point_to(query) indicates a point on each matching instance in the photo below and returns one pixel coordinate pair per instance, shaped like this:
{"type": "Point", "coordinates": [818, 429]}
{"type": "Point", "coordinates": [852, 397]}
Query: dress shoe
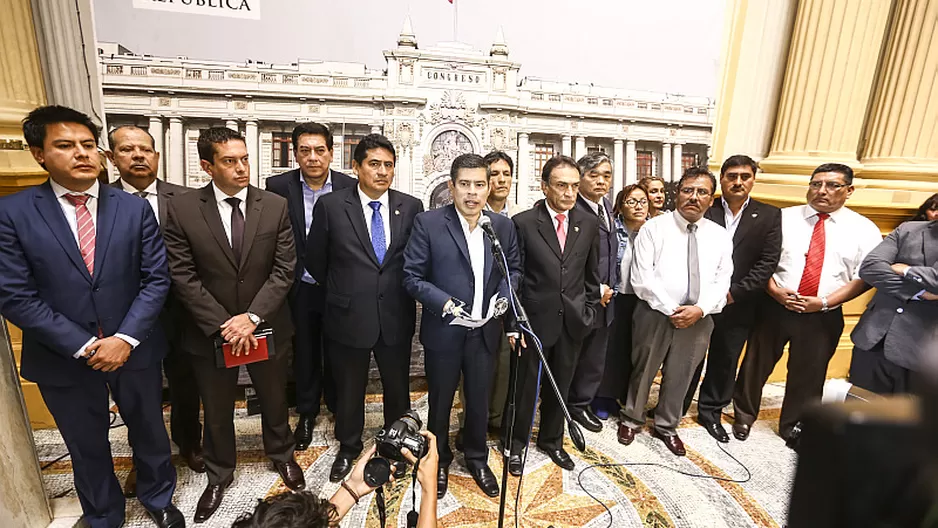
{"type": "Point", "coordinates": [130, 483]}
{"type": "Point", "coordinates": [586, 418]}
{"type": "Point", "coordinates": [560, 457]}
{"type": "Point", "coordinates": [673, 443]}
{"type": "Point", "coordinates": [716, 430]}
{"type": "Point", "coordinates": [626, 434]}
{"type": "Point", "coordinates": [442, 481]}
{"type": "Point", "coordinates": [515, 465]}
{"type": "Point", "coordinates": [457, 442]}
{"type": "Point", "coordinates": [741, 431]}
{"type": "Point", "coordinates": [303, 434]}
{"type": "Point", "coordinates": [486, 480]}
{"type": "Point", "coordinates": [210, 500]}
{"type": "Point", "coordinates": [292, 474]}
{"type": "Point", "coordinates": [194, 460]}
{"type": "Point", "coordinates": [340, 468]}
{"type": "Point", "coordinates": [168, 517]}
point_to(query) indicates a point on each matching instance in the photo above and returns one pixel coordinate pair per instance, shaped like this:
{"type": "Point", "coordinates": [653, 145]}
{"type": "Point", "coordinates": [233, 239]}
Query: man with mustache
{"type": "Point", "coordinates": [681, 274]}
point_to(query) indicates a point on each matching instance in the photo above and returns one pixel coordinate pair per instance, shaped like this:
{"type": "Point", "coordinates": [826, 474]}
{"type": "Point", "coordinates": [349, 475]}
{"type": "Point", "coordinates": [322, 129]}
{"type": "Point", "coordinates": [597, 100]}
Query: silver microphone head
{"type": "Point", "coordinates": [484, 220]}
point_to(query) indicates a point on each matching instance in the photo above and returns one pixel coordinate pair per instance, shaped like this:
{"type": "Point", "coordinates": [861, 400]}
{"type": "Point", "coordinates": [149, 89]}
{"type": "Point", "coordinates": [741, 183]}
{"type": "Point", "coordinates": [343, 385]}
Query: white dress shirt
{"type": "Point", "coordinates": [659, 264]}
{"type": "Point", "coordinates": [477, 260]}
{"type": "Point", "coordinates": [848, 237]}
{"type": "Point", "coordinates": [383, 210]}
{"type": "Point", "coordinates": [732, 222]}
{"type": "Point", "coordinates": [224, 208]}
{"type": "Point", "coordinates": [151, 197]}
{"type": "Point", "coordinates": [553, 219]}
{"type": "Point", "coordinates": [71, 217]}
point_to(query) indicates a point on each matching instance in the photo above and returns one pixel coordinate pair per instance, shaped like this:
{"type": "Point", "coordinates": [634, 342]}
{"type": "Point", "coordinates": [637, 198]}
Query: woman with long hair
{"type": "Point", "coordinates": [631, 211]}
{"type": "Point", "coordinates": [928, 211]}
{"type": "Point", "coordinates": [656, 192]}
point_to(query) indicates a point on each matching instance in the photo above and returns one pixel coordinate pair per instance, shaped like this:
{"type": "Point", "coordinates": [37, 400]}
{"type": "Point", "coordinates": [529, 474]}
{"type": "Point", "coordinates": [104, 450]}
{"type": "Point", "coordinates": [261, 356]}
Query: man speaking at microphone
{"type": "Point", "coordinates": [449, 267]}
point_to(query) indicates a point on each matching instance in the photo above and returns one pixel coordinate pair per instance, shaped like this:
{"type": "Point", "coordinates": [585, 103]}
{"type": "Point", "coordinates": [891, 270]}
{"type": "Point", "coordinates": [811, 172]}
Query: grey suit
{"type": "Point", "coordinates": [888, 338]}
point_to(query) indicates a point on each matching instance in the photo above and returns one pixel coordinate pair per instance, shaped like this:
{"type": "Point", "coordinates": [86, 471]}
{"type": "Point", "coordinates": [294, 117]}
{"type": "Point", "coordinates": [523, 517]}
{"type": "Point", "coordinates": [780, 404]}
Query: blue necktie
{"type": "Point", "coordinates": [377, 231]}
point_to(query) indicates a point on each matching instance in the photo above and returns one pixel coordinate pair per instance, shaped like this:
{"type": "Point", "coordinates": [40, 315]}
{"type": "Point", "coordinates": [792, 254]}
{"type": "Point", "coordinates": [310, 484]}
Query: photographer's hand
{"type": "Point", "coordinates": [426, 476]}
{"type": "Point", "coordinates": [342, 500]}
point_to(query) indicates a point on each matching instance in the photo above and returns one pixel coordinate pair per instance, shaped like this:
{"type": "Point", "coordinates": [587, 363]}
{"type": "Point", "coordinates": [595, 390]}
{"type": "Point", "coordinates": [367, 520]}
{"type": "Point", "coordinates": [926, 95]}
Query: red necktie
{"type": "Point", "coordinates": [814, 261]}
{"type": "Point", "coordinates": [85, 229]}
{"type": "Point", "coordinates": [561, 231]}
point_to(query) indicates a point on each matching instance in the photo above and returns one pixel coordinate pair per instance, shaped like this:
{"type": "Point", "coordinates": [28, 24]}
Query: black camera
{"type": "Point", "coordinates": [404, 432]}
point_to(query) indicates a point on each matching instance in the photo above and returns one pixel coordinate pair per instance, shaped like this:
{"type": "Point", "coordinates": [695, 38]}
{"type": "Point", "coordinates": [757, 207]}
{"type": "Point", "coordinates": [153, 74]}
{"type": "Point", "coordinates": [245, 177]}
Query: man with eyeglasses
{"type": "Point", "coordinates": [681, 274]}
{"type": "Point", "coordinates": [823, 244]}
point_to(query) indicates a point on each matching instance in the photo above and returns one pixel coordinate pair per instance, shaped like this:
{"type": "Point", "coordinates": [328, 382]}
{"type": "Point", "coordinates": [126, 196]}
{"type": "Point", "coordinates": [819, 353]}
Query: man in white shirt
{"type": "Point", "coordinates": [823, 245]}
{"type": "Point", "coordinates": [681, 274]}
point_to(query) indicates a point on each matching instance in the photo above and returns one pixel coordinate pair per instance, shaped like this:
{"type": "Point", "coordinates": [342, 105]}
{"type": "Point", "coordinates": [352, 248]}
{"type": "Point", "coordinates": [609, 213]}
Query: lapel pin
{"type": "Point", "coordinates": [397, 212]}
{"type": "Point", "coordinates": [576, 228]}
{"type": "Point", "coordinates": [755, 215]}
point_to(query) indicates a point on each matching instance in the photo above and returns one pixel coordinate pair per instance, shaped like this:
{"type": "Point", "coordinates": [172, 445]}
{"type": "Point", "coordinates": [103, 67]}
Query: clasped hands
{"type": "Point", "coordinates": [239, 331]}
{"type": "Point", "coordinates": [792, 300]}
{"type": "Point", "coordinates": [107, 353]}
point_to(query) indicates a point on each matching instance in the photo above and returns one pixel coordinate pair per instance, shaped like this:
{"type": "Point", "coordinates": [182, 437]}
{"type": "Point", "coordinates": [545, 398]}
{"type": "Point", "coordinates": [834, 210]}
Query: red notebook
{"type": "Point", "coordinates": [265, 349]}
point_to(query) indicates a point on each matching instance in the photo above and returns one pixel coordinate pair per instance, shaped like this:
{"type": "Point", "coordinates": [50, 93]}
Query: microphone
{"type": "Point", "coordinates": [486, 224]}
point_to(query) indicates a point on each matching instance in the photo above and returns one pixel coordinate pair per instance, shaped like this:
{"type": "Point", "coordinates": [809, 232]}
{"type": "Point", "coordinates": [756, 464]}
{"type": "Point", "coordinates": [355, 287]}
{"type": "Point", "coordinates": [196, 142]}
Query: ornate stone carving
{"type": "Point", "coordinates": [502, 139]}
{"type": "Point", "coordinates": [445, 148]}
{"type": "Point", "coordinates": [165, 71]}
{"type": "Point", "coordinates": [164, 101]}
{"type": "Point", "coordinates": [241, 105]}
{"type": "Point", "coordinates": [453, 107]}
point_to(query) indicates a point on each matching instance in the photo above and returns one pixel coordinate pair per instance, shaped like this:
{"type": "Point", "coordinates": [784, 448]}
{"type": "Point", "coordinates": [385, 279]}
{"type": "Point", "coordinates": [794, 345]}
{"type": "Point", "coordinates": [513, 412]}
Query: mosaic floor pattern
{"type": "Point", "coordinates": [653, 489]}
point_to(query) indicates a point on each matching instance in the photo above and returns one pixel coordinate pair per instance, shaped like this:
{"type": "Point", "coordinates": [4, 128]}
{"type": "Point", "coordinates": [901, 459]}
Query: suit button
{"type": "Point", "coordinates": [562, 290]}
{"type": "Point", "coordinates": [96, 289]}
{"type": "Point", "coordinates": [241, 281]}
{"type": "Point", "coordinates": [899, 310]}
{"type": "Point", "coordinates": [559, 312]}
{"type": "Point", "coordinates": [563, 269]}
{"type": "Point", "coordinates": [381, 297]}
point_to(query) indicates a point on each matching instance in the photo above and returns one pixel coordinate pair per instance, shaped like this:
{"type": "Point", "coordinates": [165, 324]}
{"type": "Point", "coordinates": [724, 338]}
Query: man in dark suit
{"type": "Point", "coordinates": [559, 247]}
{"type": "Point", "coordinates": [594, 184]}
{"type": "Point", "coordinates": [132, 153]}
{"type": "Point", "coordinates": [889, 340]}
{"type": "Point", "coordinates": [231, 257]}
{"type": "Point", "coordinates": [756, 230]}
{"type": "Point", "coordinates": [449, 269]}
{"type": "Point", "coordinates": [83, 274]}
{"type": "Point", "coordinates": [356, 249]}
{"type": "Point", "coordinates": [302, 187]}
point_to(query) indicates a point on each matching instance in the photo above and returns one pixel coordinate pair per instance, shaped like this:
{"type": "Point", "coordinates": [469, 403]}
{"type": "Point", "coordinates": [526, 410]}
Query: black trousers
{"type": "Point", "coordinates": [812, 340]}
{"type": "Point", "coordinates": [476, 364]}
{"type": "Point", "coordinates": [82, 416]}
{"type": "Point", "coordinates": [561, 358]}
{"type": "Point", "coordinates": [184, 422]}
{"type": "Point", "coordinates": [310, 365]}
{"type": "Point", "coordinates": [618, 368]}
{"type": "Point", "coordinates": [870, 370]}
{"type": "Point", "coordinates": [350, 370]}
{"type": "Point", "coordinates": [590, 367]}
{"type": "Point", "coordinates": [218, 387]}
{"type": "Point", "coordinates": [731, 330]}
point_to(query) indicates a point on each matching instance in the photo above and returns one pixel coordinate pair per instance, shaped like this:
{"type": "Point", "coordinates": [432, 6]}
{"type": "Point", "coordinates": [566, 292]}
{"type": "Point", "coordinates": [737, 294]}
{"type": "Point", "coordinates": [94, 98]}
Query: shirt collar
{"type": "Point", "coordinates": [61, 191]}
{"type": "Point", "coordinates": [465, 223]}
{"type": "Point", "coordinates": [593, 205]}
{"type": "Point", "coordinates": [151, 189]}
{"type": "Point", "coordinates": [220, 196]}
{"type": "Point", "coordinates": [681, 221]}
{"type": "Point", "coordinates": [366, 200]}
{"type": "Point", "coordinates": [328, 181]}
{"type": "Point", "coordinates": [726, 206]}
{"type": "Point", "coordinates": [553, 214]}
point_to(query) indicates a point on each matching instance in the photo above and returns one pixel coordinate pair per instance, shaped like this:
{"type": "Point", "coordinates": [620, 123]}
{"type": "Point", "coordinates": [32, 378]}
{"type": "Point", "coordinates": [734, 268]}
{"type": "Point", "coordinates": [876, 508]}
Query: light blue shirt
{"type": "Point", "coordinates": [310, 197]}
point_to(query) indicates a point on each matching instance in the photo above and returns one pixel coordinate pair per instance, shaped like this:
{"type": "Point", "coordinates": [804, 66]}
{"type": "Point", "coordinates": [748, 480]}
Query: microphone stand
{"type": "Point", "coordinates": [576, 435]}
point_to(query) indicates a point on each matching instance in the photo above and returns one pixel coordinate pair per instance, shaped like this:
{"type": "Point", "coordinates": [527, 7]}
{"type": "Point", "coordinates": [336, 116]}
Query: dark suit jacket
{"type": "Point", "coordinates": [364, 299]}
{"type": "Point", "coordinates": [208, 281]}
{"type": "Point", "coordinates": [46, 290]}
{"type": "Point", "coordinates": [892, 314]}
{"type": "Point", "coordinates": [757, 246]}
{"type": "Point", "coordinates": [559, 290]}
{"type": "Point", "coordinates": [437, 267]}
{"type": "Point", "coordinates": [608, 253]}
{"type": "Point", "coordinates": [288, 186]}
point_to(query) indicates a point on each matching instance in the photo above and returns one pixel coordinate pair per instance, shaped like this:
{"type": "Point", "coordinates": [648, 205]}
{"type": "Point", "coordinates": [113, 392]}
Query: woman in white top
{"type": "Point", "coordinates": [631, 210]}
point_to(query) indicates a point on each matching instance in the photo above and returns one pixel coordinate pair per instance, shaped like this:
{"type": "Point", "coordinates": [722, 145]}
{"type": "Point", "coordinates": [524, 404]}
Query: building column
{"type": "Point", "coordinates": [233, 125]}
{"type": "Point", "coordinates": [618, 163]}
{"type": "Point", "coordinates": [903, 120]}
{"type": "Point", "coordinates": [580, 147]}
{"type": "Point", "coordinates": [666, 172]}
{"type": "Point", "coordinates": [250, 138]}
{"type": "Point", "coordinates": [631, 160]}
{"type": "Point", "coordinates": [375, 129]}
{"type": "Point", "coordinates": [176, 168]}
{"type": "Point", "coordinates": [523, 171]}
{"type": "Point", "coordinates": [828, 79]}
{"type": "Point", "coordinates": [566, 148]}
{"type": "Point", "coordinates": [677, 168]}
{"type": "Point", "coordinates": [156, 130]}
{"type": "Point", "coordinates": [338, 151]}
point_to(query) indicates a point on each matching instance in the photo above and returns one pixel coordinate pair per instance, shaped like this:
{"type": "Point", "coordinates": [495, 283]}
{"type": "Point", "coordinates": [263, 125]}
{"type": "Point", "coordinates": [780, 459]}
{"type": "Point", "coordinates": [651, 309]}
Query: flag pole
{"type": "Point", "coordinates": [455, 20]}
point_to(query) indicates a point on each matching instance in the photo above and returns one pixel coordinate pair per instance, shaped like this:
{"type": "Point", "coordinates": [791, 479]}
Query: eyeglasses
{"type": "Point", "coordinates": [833, 186]}
{"type": "Point", "coordinates": [689, 191]}
{"type": "Point", "coordinates": [632, 202]}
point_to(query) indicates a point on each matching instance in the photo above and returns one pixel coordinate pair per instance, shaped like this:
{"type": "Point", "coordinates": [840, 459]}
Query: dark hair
{"type": "Point", "coordinates": [645, 182]}
{"type": "Point", "coordinates": [692, 173]}
{"type": "Point", "coordinates": [497, 155]}
{"type": "Point", "coordinates": [467, 161]}
{"type": "Point", "coordinates": [316, 129]}
{"type": "Point", "coordinates": [371, 142]}
{"type": "Point", "coordinates": [929, 205]}
{"type": "Point", "coordinates": [558, 161]}
{"type": "Point", "coordinates": [213, 136]}
{"type": "Point", "coordinates": [110, 135]}
{"type": "Point", "coordinates": [593, 160]}
{"type": "Point", "coordinates": [738, 160]}
{"type": "Point", "coordinates": [838, 168]}
{"type": "Point", "coordinates": [290, 510]}
{"type": "Point", "coordinates": [624, 194]}
{"type": "Point", "coordinates": [34, 124]}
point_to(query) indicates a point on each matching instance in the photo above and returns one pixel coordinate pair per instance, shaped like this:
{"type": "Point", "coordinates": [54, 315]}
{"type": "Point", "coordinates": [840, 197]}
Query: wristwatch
{"type": "Point", "coordinates": [255, 319]}
{"type": "Point", "coordinates": [824, 306]}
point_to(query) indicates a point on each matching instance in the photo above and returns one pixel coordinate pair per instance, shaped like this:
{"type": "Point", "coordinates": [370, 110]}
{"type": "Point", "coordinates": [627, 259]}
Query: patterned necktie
{"type": "Point", "coordinates": [86, 232]}
{"type": "Point", "coordinates": [814, 260]}
{"type": "Point", "coordinates": [237, 227]}
{"type": "Point", "coordinates": [377, 231]}
{"type": "Point", "coordinates": [602, 217]}
{"type": "Point", "coordinates": [141, 194]}
{"type": "Point", "coordinates": [561, 231]}
{"type": "Point", "coordinates": [693, 266]}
